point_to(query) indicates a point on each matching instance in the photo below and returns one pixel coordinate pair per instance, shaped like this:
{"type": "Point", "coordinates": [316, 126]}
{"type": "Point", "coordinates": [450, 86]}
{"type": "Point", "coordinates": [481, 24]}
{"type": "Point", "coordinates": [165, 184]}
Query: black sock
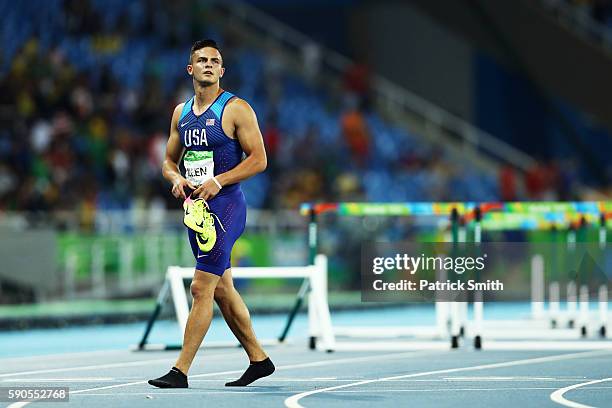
{"type": "Point", "coordinates": [174, 379]}
{"type": "Point", "coordinates": [255, 371]}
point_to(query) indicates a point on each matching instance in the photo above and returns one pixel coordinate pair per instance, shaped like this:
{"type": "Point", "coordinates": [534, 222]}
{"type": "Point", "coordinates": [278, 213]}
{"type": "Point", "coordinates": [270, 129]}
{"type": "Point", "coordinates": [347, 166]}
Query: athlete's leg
{"type": "Point", "coordinates": [202, 289]}
{"type": "Point", "coordinates": [237, 316]}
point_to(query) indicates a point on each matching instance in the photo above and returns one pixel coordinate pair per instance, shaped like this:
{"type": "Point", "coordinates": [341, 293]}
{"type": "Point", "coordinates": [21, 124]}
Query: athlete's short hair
{"type": "Point", "coordinates": [203, 44]}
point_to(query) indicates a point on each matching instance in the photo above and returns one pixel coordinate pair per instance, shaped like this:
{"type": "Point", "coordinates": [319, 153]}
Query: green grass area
{"type": "Point", "coordinates": [77, 307]}
{"type": "Point", "coordinates": [255, 302]}
{"type": "Point", "coordinates": [151, 250]}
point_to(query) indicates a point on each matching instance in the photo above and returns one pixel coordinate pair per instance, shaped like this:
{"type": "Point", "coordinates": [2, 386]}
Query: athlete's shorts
{"type": "Point", "coordinates": [229, 209]}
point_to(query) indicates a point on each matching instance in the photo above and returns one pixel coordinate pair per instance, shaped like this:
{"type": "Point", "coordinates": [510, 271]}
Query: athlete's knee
{"type": "Point", "coordinates": [222, 292]}
{"type": "Point", "coordinates": [201, 290]}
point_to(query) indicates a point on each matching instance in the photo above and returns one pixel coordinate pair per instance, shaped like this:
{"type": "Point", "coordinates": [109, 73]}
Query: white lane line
{"type": "Point", "coordinates": [110, 365]}
{"type": "Point", "coordinates": [250, 392]}
{"type": "Point", "coordinates": [557, 396]}
{"type": "Point", "coordinates": [18, 404]}
{"type": "Point", "coordinates": [368, 391]}
{"type": "Point", "coordinates": [78, 379]}
{"type": "Point", "coordinates": [90, 367]}
{"type": "Point", "coordinates": [500, 345]}
{"type": "Point", "coordinates": [287, 367]}
{"type": "Point", "coordinates": [293, 401]}
{"type": "Point", "coordinates": [433, 380]}
{"type": "Point", "coordinates": [269, 379]}
{"type": "Point", "coordinates": [436, 380]}
{"type": "Point", "coordinates": [67, 355]}
{"type": "Point", "coordinates": [513, 379]}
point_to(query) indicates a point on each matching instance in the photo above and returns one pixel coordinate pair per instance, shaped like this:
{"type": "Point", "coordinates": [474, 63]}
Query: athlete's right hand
{"type": "Point", "coordinates": [178, 188]}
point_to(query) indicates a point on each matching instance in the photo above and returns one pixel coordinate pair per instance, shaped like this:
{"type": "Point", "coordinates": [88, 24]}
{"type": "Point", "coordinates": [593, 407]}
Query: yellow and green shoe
{"type": "Point", "coordinates": [194, 214]}
{"type": "Point", "coordinates": [201, 221]}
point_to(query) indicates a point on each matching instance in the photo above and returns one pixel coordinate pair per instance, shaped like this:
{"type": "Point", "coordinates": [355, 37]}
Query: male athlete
{"type": "Point", "coordinates": [210, 132]}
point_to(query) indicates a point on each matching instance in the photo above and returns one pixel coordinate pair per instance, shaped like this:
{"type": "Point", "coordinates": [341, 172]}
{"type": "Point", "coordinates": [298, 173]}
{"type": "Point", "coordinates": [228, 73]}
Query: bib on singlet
{"type": "Point", "coordinates": [199, 166]}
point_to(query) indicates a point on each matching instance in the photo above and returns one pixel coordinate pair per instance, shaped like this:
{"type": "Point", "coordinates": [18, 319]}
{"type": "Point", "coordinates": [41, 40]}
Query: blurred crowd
{"type": "Point", "coordinates": [586, 12]}
{"type": "Point", "coordinates": [599, 10]}
{"type": "Point", "coordinates": [75, 142]}
{"type": "Point", "coordinates": [86, 110]}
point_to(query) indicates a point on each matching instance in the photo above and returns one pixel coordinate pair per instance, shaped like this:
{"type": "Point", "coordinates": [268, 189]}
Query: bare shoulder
{"type": "Point", "coordinates": [176, 114]}
{"type": "Point", "coordinates": [238, 117]}
{"type": "Point", "coordinates": [178, 108]}
{"type": "Point", "coordinates": [238, 108]}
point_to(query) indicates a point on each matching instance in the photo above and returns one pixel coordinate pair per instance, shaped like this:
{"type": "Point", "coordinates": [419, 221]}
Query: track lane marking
{"type": "Point", "coordinates": [320, 363]}
{"type": "Point", "coordinates": [558, 397]}
{"type": "Point", "coordinates": [293, 401]}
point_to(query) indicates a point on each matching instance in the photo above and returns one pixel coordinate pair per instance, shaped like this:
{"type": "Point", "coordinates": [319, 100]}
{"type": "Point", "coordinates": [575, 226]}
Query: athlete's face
{"type": "Point", "coordinates": [206, 66]}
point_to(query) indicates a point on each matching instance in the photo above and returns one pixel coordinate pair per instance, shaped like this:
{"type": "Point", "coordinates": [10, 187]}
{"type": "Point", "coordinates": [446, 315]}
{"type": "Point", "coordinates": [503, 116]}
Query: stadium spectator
{"type": "Point", "coordinates": [355, 132]}
{"type": "Point", "coordinates": [79, 103]}
{"type": "Point", "coordinates": [508, 183]}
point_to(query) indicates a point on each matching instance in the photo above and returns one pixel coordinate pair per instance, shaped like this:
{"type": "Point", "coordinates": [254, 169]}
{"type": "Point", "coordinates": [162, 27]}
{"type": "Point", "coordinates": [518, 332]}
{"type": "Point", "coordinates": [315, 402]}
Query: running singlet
{"type": "Point", "coordinates": [208, 150]}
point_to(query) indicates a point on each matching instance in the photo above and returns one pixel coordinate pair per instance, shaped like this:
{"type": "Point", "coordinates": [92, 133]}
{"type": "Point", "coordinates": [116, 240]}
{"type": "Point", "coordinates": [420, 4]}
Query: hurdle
{"type": "Point", "coordinates": [319, 322]}
{"type": "Point", "coordinates": [530, 215]}
{"type": "Point", "coordinates": [538, 318]}
{"type": "Point", "coordinates": [577, 313]}
{"type": "Point", "coordinates": [445, 331]}
{"type": "Point", "coordinates": [577, 298]}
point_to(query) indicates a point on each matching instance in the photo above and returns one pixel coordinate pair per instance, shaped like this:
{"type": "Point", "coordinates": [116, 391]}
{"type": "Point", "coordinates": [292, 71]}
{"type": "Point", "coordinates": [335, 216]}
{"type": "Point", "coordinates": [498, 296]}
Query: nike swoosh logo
{"type": "Point", "coordinates": [202, 256]}
{"type": "Point", "coordinates": [184, 124]}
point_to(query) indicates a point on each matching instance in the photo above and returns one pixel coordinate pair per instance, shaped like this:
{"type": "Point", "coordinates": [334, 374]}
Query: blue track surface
{"type": "Point", "coordinates": [121, 336]}
{"type": "Point", "coordinates": [95, 363]}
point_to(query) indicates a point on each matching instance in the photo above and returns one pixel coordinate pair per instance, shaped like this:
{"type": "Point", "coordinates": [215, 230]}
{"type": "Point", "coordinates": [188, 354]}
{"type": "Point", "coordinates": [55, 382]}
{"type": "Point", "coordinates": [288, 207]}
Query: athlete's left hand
{"type": "Point", "coordinates": [207, 190]}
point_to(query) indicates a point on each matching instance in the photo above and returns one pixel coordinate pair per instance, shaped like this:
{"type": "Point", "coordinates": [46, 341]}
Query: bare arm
{"type": "Point", "coordinates": [248, 134]}
{"type": "Point", "coordinates": [246, 130]}
{"type": "Point", "coordinates": [174, 152]}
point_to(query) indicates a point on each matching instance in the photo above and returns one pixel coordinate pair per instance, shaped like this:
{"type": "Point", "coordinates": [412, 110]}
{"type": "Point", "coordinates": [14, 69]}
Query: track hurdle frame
{"type": "Point", "coordinates": [319, 322]}
{"type": "Point", "coordinates": [432, 208]}
{"type": "Point", "coordinates": [597, 212]}
{"type": "Point", "coordinates": [450, 210]}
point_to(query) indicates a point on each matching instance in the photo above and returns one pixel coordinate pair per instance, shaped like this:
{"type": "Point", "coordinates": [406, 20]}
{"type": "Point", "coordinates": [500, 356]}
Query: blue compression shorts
{"type": "Point", "coordinates": [231, 210]}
